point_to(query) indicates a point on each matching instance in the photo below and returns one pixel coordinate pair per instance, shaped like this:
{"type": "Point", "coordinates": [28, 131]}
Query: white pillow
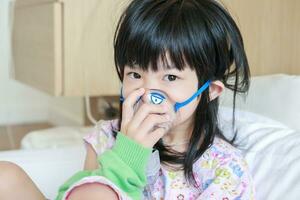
{"type": "Point", "coordinates": [56, 137]}
{"type": "Point", "coordinates": [272, 151]}
{"type": "Point", "coordinates": [274, 96]}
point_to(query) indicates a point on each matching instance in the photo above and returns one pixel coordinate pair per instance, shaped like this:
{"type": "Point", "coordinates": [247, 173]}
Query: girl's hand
{"type": "Point", "coordinates": [139, 125]}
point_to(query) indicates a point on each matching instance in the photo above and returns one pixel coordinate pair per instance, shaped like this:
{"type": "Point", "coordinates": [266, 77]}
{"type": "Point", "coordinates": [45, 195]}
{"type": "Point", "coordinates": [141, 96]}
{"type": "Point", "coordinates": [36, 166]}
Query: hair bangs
{"type": "Point", "coordinates": [160, 36]}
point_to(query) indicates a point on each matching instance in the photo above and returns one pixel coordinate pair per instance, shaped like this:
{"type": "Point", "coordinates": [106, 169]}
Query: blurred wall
{"type": "Point", "coordinates": [22, 104]}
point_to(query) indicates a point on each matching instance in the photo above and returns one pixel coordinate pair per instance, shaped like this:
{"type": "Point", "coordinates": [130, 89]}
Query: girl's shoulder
{"type": "Point", "coordinates": [222, 146]}
{"type": "Point", "coordinates": [223, 161]}
{"type": "Point", "coordinates": [222, 169]}
{"type": "Point", "coordinates": [102, 136]}
{"type": "Point", "coordinates": [221, 154]}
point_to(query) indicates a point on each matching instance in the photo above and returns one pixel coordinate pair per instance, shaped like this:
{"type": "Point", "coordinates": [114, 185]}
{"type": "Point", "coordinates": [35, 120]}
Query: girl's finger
{"type": "Point", "coordinates": [154, 136]}
{"type": "Point", "coordinates": [144, 111]}
{"type": "Point", "coordinates": [151, 121]}
{"type": "Point", "coordinates": [127, 107]}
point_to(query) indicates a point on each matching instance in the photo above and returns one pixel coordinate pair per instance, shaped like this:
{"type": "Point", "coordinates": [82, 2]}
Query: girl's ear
{"type": "Point", "coordinates": [215, 89]}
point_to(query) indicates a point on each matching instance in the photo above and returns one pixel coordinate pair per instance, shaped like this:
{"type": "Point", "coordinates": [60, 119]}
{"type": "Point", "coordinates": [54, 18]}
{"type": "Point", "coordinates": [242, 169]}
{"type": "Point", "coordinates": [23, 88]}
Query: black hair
{"type": "Point", "coordinates": [199, 33]}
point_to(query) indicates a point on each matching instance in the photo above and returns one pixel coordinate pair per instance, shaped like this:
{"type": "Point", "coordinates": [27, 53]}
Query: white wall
{"type": "Point", "coordinates": [20, 103]}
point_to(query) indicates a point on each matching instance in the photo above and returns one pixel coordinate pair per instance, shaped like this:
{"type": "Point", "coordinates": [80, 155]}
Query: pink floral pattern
{"type": "Point", "coordinates": [221, 173]}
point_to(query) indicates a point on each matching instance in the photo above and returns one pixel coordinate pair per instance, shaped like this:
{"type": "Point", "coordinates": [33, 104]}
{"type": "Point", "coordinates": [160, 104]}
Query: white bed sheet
{"type": "Point", "coordinates": [48, 168]}
{"type": "Point", "coordinates": [272, 151]}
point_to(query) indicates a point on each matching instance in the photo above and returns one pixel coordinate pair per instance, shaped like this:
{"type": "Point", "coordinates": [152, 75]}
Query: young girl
{"type": "Point", "coordinates": [174, 58]}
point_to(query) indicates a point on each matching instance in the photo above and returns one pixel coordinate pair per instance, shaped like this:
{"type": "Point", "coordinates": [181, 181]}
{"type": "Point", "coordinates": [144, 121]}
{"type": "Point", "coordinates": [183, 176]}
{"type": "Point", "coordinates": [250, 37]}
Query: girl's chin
{"type": "Point", "coordinates": [166, 126]}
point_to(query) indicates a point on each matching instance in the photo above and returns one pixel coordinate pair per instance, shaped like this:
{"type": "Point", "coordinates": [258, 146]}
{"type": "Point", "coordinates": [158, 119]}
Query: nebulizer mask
{"type": "Point", "coordinates": [158, 97]}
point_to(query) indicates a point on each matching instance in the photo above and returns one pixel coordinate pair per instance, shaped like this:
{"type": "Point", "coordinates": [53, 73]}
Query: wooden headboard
{"type": "Point", "coordinates": [271, 32]}
{"type": "Point", "coordinates": [71, 55]}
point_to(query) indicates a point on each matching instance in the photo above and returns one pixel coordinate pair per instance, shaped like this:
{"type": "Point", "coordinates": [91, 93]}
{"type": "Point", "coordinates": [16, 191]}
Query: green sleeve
{"type": "Point", "coordinates": [124, 164]}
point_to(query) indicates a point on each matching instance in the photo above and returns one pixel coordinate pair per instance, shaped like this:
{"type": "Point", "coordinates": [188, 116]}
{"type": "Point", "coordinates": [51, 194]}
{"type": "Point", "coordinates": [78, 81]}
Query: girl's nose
{"type": "Point", "coordinates": [151, 82]}
{"type": "Point", "coordinates": [145, 95]}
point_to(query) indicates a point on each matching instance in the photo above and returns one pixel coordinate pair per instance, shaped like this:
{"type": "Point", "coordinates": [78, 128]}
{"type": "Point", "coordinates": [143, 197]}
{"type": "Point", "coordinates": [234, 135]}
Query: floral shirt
{"type": "Point", "coordinates": [221, 173]}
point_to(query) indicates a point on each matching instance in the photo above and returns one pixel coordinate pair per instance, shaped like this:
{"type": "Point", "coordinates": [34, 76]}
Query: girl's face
{"type": "Point", "coordinates": [177, 85]}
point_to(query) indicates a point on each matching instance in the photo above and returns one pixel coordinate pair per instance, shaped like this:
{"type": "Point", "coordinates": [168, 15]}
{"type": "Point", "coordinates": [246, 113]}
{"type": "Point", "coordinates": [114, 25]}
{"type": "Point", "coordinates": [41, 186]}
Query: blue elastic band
{"type": "Point", "coordinates": [179, 105]}
{"type": "Point", "coordinates": [121, 96]}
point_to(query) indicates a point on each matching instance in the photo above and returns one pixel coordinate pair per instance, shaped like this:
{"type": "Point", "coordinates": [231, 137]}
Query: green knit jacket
{"type": "Point", "coordinates": [124, 165]}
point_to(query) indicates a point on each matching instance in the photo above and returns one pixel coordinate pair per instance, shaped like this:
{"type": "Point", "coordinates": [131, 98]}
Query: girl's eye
{"type": "Point", "coordinates": [134, 75]}
{"type": "Point", "coordinates": [171, 77]}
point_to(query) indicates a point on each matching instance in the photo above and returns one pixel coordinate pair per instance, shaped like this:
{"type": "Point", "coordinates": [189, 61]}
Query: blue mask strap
{"type": "Point", "coordinates": [179, 105]}
{"type": "Point", "coordinates": [121, 96]}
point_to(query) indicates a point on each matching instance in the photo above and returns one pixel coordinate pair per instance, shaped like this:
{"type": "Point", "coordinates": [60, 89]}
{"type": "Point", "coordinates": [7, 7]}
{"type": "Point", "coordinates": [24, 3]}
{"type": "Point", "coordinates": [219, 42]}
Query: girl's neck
{"type": "Point", "coordinates": [178, 135]}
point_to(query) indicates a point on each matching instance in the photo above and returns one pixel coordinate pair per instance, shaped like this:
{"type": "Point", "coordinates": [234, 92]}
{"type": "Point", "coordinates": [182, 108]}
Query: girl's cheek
{"type": "Point", "coordinates": [129, 88]}
{"type": "Point", "coordinates": [174, 95]}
